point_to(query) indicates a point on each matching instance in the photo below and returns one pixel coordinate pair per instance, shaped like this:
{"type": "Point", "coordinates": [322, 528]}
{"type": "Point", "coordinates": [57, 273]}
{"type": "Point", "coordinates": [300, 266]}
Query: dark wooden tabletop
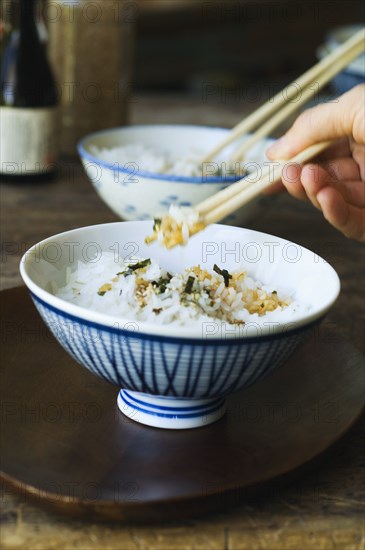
{"type": "Point", "coordinates": [322, 510]}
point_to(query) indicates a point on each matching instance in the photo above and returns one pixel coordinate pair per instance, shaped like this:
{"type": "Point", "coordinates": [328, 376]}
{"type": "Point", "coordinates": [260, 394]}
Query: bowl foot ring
{"type": "Point", "coordinates": [171, 413]}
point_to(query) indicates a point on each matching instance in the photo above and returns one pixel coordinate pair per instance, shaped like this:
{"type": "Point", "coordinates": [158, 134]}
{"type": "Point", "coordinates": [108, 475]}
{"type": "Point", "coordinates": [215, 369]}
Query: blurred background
{"type": "Point", "coordinates": [235, 44]}
{"type": "Point", "coordinates": [204, 54]}
{"type": "Point", "coordinates": [216, 52]}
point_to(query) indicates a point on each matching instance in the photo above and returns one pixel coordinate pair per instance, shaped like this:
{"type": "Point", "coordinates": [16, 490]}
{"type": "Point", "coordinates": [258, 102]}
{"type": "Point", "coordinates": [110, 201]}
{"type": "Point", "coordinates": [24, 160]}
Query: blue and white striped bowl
{"type": "Point", "coordinates": [178, 377]}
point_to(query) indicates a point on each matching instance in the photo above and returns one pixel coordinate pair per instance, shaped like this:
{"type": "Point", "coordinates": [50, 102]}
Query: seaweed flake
{"type": "Point", "coordinates": [224, 273]}
{"type": "Point", "coordinates": [161, 284]}
{"type": "Point", "coordinates": [134, 267]}
{"type": "Point", "coordinates": [189, 285]}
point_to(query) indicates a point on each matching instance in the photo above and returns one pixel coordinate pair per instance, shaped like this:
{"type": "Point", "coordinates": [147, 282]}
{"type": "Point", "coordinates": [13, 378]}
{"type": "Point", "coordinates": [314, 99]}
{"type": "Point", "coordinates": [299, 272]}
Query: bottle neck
{"type": "Point", "coordinates": [27, 14]}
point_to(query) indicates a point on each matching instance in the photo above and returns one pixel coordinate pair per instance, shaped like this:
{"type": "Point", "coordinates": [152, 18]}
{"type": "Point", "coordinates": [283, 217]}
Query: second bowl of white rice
{"type": "Point", "coordinates": [140, 171]}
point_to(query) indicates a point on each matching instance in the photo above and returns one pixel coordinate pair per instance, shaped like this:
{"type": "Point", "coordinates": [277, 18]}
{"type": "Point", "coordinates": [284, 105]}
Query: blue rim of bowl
{"type": "Point", "coordinates": [175, 339]}
{"type": "Point", "coordinates": [151, 175]}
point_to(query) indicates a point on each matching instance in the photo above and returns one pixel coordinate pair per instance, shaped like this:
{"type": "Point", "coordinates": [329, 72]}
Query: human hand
{"type": "Point", "coordinates": [335, 182]}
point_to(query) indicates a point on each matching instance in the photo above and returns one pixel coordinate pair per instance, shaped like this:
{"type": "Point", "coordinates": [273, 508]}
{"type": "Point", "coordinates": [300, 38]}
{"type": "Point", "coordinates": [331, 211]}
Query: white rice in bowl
{"type": "Point", "coordinates": [139, 289]}
{"type": "Point", "coordinates": [156, 160]}
{"type": "Point", "coordinates": [151, 159]}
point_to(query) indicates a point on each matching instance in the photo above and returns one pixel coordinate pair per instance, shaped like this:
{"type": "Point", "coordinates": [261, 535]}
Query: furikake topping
{"type": "Point", "coordinates": [157, 224]}
{"type": "Point", "coordinates": [161, 284]}
{"type": "Point", "coordinates": [104, 289]}
{"type": "Point", "coordinates": [189, 285]}
{"type": "Point", "coordinates": [226, 276]}
{"type": "Point", "coordinates": [134, 267]}
{"type": "Point", "coordinates": [140, 265]}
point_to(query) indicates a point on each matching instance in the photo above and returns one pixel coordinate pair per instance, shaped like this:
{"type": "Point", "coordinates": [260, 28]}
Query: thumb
{"type": "Point", "coordinates": [341, 117]}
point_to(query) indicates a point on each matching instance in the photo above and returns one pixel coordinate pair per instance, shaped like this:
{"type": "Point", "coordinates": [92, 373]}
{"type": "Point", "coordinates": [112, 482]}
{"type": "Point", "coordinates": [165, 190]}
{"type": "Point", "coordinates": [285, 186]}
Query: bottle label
{"type": "Point", "coordinates": [28, 140]}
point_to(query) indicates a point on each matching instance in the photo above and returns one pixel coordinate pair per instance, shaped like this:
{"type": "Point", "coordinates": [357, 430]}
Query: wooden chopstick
{"type": "Point", "coordinates": [353, 46]}
{"type": "Point", "coordinates": [308, 93]}
{"type": "Point", "coordinates": [233, 189]}
{"type": "Point", "coordinates": [225, 203]}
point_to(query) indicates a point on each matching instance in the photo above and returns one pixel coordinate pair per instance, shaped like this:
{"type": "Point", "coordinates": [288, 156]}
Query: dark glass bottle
{"type": "Point", "coordinates": [28, 98]}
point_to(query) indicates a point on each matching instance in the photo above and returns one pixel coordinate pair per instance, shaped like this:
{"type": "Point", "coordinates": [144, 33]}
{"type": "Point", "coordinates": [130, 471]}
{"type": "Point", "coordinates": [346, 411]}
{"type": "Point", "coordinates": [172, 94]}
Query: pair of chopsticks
{"type": "Point", "coordinates": [224, 203]}
{"type": "Point", "coordinates": [280, 107]}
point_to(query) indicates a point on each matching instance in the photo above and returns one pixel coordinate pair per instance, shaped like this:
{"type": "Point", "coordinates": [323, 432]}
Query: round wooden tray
{"type": "Point", "coordinates": [65, 443]}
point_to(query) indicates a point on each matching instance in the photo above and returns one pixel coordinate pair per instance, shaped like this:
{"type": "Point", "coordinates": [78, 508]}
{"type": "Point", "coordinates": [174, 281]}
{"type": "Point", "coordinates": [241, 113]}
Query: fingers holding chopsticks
{"type": "Point", "coordinates": [348, 219]}
{"type": "Point", "coordinates": [342, 175]}
{"type": "Point", "coordinates": [344, 117]}
{"type": "Point", "coordinates": [335, 183]}
{"type": "Point", "coordinates": [303, 182]}
{"type": "Point", "coordinates": [335, 188]}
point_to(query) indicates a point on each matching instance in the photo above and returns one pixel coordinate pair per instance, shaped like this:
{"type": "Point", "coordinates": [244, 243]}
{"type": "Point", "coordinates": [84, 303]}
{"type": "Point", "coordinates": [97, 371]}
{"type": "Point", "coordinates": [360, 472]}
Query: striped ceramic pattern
{"type": "Point", "coordinates": [178, 411]}
{"type": "Point", "coordinates": [168, 366]}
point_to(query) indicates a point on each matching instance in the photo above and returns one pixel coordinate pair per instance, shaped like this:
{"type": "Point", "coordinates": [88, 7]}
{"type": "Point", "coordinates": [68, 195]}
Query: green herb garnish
{"type": "Point", "coordinates": [162, 283]}
{"type": "Point", "coordinates": [224, 273]}
{"type": "Point", "coordinates": [189, 285]}
{"type": "Point", "coordinates": [140, 265]}
{"type": "Point", "coordinates": [134, 267]}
